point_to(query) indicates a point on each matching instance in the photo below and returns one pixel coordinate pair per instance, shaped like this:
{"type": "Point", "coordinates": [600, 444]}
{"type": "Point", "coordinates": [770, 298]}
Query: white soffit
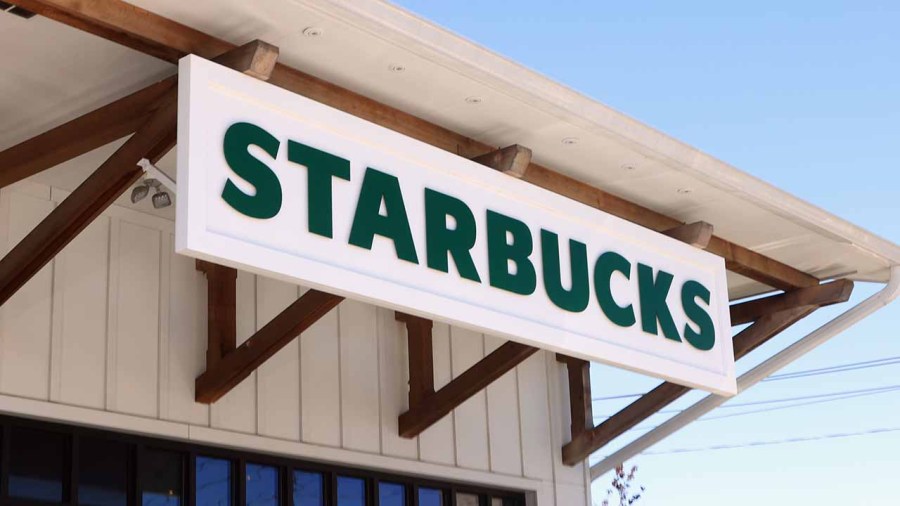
{"type": "Point", "coordinates": [69, 72]}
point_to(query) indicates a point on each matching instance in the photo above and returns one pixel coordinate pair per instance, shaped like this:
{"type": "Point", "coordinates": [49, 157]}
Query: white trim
{"type": "Point", "coordinates": [437, 44]}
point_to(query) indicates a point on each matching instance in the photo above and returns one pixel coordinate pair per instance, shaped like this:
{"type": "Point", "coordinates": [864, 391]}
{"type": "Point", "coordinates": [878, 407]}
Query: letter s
{"type": "Point", "coordinates": [705, 339]}
{"type": "Point", "coordinates": [266, 202]}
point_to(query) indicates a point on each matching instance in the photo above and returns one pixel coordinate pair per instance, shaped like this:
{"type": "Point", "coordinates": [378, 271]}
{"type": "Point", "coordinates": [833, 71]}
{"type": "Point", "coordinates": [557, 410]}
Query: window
{"type": "Point", "coordinates": [102, 472]}
{"type": "Point", "coordinates": [162, 477]}
{"type": "Point", "coordinates": [430, 497]}
{"type": "Point", "coordinates": [391, 494]}
{"type": "Point", "coordinates": [351, 491]}
{"type": "Point", "coordinates": [262, 485]}
{"type": "Point", "coordinates": [37, 464]}
{"type": "Point", "coordinates": [467, 499]}
{"type": "Point", "coordinates": [214, 484]}
{"type": "Point", "coordinates": [46, 464]}
{"type": "Point", "coordinates": [308, 489]}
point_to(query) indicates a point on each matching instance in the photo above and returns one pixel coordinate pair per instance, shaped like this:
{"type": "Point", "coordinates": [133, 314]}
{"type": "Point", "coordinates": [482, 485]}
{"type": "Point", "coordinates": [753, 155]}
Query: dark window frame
{"type": "Point", "coordinates": [189, 452]}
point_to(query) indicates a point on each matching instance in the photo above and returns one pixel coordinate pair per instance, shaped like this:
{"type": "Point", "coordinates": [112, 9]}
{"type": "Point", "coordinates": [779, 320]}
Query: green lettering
{"type": "Point", "coordinates": [378, 187]}
{"type": "Point", "coordinates": [266, 202]}
{"type": "Point", "coordinates": [442, 242]}
{"type": "Point", "coordinates": [653, 293]}
{"type": "Point", "coordinates": [577, 297]}
{"type": "Point", "coordinates": [606, 265]}
{"type": "Point", "coordinates": [321, 167]}
{"type": "Point", "coordinates": [705, 338]}
{"type": "Point", "coordinates": [502, 251]}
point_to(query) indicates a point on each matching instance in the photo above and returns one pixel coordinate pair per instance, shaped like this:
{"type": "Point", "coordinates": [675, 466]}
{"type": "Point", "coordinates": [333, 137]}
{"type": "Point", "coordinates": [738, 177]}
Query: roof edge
{"type": "Point", "coordinates": [427, 39]}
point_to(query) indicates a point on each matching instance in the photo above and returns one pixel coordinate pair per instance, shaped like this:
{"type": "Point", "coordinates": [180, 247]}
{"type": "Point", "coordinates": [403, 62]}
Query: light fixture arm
{"type": "Point", "coordinates": [154, 172]}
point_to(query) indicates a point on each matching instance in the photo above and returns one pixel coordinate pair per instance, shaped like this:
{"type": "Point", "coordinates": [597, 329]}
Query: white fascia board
{"type": "Point", "coordinates": [442, 46]}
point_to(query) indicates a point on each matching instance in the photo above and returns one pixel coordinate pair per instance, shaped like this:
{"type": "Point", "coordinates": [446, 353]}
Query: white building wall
{"type": "Point", "coordinates": [112, 333]}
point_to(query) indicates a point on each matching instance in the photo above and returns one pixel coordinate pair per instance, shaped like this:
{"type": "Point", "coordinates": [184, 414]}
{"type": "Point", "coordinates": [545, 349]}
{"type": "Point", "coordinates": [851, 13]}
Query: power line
{"type": "Point", "coordinates": [835, 369]}
{"type": "Point", "coordinates": [753, 444]}
{"type": "Point", "coordinates": [825, 397]}
{"type": "Point", "coordinates": [776, 408]}
{"type": "Point", "coordinates": [868, 364]}
{"type": "Point", "coordinates": [805, 397]}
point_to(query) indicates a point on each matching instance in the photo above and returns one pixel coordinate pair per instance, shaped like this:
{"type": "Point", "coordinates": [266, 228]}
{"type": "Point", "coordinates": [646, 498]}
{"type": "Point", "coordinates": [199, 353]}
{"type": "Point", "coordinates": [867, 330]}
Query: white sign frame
{"type": "Point", "coordinates": [211, 95]}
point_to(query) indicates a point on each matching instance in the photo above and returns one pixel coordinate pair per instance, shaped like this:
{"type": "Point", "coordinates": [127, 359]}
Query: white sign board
{"type": "Point", "coordinates": [274, 183]}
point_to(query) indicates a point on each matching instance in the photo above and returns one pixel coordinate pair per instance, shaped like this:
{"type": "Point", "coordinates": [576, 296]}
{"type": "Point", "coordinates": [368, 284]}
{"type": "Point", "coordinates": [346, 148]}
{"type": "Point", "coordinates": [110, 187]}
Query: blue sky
{"type": "Point", "coordinates": [803, 94]}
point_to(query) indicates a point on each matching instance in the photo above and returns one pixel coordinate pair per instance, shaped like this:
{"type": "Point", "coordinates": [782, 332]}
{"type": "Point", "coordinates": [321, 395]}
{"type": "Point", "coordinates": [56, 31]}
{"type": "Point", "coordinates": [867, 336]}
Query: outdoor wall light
{"type": "Point", "coordinates": [159, 181]}
{"type": "Point", "coordinates": [139, 193]}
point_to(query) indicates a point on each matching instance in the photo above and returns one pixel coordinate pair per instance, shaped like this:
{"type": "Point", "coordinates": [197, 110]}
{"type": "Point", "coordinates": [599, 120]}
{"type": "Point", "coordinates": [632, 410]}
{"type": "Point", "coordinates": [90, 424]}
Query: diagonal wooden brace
{"type": "Point", "coordinates": [84, 204]}
{"type": "Point", "coordinates": [232, 367]}
{"type": "Point", "coordinates": [426, 406]}
{"type": "Point", "coordinates": [771, 316]}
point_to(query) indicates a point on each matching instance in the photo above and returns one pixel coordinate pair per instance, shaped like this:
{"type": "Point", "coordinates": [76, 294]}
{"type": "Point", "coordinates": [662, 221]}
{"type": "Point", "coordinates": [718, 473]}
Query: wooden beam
{"type": "Point", "coordinates": [511, 160]}
{"type": "Point", "coordinates": [759, 267]}
{"type": "Point", "coordinates": [158, 36]}
{"type": "Point", "coordinates": [475, 379]}
{"type": "Point", "coordinates": [84, 204]}
{"type": "Point", "coordinates": [117, 119]}
{"type": "Point", "coordinates": [81, 135]}
{"type": "Point", "coordinates": [696, 234]}
{"type": "Point", "coordinates": [666, 393]}
{"type": "Point", "coordinates": [421, 356]}
{"type": "Point", "coordinates": [129, 26]}
{"type": "Point", "coordinates": [820, 295]}
{"type": "Point", "coordinates": [256, 59]}
{"type": "Point", "coordinates": [221, 307]}
{"type": "Point", "coordinates": [235, 366]}
{"type": "Point", "coordinates": [580, 403]}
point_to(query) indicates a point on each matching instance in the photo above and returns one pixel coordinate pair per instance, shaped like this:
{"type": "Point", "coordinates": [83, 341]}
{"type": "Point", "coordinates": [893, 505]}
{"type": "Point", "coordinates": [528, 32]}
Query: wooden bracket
{"type": "Point", "coordinates": [825, 294]}
{"type": "Point", "coordinates": [427, 406]}
{"type": "Point", "coordinates": [231, 366]}
{"type": "Point", "coordinates": [88, 201]}
{"type": "Point", "coordinates": [696, 234]}
{"type": "Point", "coordinates": [512, 160]}
{"type": "Point", "coordinates": [153, 110]}
{"type": "Point", "coordinates": [221, 307]}
{"type": "Point", "coordinates": [771, 316]}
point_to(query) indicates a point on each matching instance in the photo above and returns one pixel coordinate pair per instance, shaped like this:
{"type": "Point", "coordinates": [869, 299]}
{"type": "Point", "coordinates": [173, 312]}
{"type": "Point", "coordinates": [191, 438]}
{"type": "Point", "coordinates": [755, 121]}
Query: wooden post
{"type": "Point", "coordinates": [221, 302]}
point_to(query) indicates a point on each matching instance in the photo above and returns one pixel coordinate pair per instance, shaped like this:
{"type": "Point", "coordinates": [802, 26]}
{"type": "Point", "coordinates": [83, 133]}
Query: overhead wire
{"type": "Point", "coordinates": [854, 366]}
{"type": "Point", "coordinates": [753, 444]}
{"type": "Point", "coordinates": [777, 408]}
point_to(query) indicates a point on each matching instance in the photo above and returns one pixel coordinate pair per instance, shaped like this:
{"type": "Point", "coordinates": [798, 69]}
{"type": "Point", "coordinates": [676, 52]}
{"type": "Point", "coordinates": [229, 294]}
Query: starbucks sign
{"type": "Point", "coordinates": [278, 184]}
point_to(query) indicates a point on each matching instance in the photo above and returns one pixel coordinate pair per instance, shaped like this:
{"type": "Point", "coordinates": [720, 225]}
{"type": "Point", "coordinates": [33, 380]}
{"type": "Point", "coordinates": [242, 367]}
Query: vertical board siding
{"type": "Point", "coordinates": [118, 322]}
{"type": "Point", "coordinates": [560, 420]}
{"type": "Point", "coordinates": [79, 313]}
{"type": "Point", "coordinates": [321, 381]}
{"type": "Point", "coordinates": [236, 410]}
{"type": "Point", "coordinates": [25, 319]}
{"type": "Point", "coordinates": [136, 336]}
{"type": "Point", "coordinates": [278, 380]}
{"type": "Point", "coordinates": [394, 371]}
{"type": "Point", "coordinates": [470, 418]}
{"type": "Point", "coordinates": [503, 418]}
{"type": "Point", "coordinates": [360, 409]}
{"type": "Point", "coordinates": [537, 452]}
{"type": "Point", "coordinates": [436, 443]}
{"type": "Point", "coordinates": [185, 351]}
